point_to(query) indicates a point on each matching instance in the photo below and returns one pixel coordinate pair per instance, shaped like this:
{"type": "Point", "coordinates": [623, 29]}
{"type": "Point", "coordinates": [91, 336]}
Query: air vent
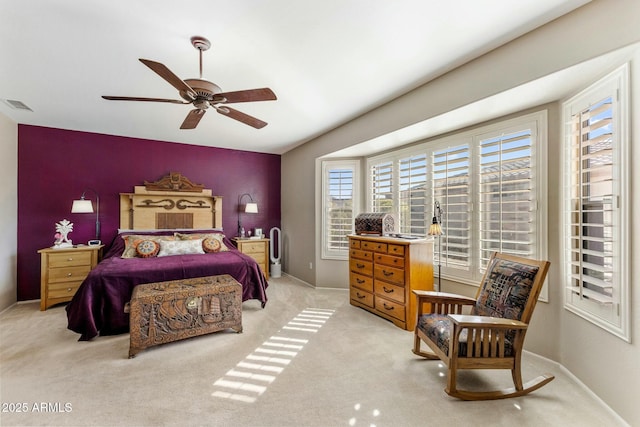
{"type": "Point", "coordinates": [17, 105]}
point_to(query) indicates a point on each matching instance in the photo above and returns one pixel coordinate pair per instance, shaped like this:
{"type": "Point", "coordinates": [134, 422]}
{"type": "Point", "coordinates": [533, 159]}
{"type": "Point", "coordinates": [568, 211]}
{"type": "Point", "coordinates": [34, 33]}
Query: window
{"type": "Point", "coordinates": [413, 195]}
{"type": "Point", "coordinates": [339, 182]}
{"type": "Point", "coordinates": [596, 165]}
{"type": "Point", "coordinates": [488, 182]}
{"type": "Point", "coordinates": [452, 189]}
{"type": "Point", "coordinates": [507, 194]}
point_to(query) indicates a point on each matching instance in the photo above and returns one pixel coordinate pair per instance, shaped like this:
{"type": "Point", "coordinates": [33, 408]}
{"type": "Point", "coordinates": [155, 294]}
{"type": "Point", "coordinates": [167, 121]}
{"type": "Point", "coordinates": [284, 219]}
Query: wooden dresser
{"type": "Point", "coordinates": [257, 249]}
{"type": "Point", "coordinates": [384, 270]}
{"type": "Point", "coordinates": [63, 270]}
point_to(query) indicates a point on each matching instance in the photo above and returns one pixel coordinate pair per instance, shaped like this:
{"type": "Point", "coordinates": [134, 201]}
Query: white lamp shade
{"type": "Point", "coordinates": [82, 206]}
{"type": "Point", "coordinates": [251, 208]}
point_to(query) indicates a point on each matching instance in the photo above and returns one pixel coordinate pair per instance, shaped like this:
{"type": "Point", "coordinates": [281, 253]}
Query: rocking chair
{"type": "Point", "coordinates": [492, 336]}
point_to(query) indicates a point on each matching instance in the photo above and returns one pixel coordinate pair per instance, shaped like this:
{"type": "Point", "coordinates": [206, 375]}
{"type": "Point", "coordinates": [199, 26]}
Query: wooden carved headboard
{"type": "Point", "coordinates": [169, 203]}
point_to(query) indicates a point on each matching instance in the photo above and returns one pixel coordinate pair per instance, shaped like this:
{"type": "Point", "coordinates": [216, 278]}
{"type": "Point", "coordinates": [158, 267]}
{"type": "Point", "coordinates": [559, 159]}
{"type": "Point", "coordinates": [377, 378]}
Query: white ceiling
{"type": "Point", "coordinates": [327, 61]}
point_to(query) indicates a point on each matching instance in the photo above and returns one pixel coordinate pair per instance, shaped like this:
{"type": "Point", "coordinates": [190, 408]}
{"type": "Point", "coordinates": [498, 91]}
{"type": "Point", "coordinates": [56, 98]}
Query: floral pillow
{"type": "Point", "coordinates": [180, 247]}
{"type": "Point", "coordinates": [211, 242]}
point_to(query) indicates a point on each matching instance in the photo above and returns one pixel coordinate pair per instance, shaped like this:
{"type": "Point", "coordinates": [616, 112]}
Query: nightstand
{"type": "Point", "coordinates": [63, 270]}
{"type": "Point", "coordinates": [257, 249]}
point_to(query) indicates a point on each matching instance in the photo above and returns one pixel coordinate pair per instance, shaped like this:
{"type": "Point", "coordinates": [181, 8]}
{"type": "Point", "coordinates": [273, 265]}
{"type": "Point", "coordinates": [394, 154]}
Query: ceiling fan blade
{"type": "Point", "coordinates": [131, 98]}
{"type": "Point", "coordinates": [241, 117]}
{"type": "Point", "coordinates": [193, 118]}
{"type": "Point", "coordinates": [263, 94]}
{"type": "Point", "coordinates": [167, 74]}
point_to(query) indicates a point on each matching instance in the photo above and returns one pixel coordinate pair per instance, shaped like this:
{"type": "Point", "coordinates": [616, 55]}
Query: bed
{"type": "Point", "coordinates": [169, 231]}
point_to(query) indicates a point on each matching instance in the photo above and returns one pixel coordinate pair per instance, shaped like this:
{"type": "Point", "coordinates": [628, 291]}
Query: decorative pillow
{"type": "Point", "coordinates": [147, 249]}
{"type": "Point", "coordinates": [180, 247]}
{"type": "Point", "coordinates": [131, 242]}
{"type": "Point", "coordinates": [212, 245]}
{"type": "Point", "coordinates": [208, 241]}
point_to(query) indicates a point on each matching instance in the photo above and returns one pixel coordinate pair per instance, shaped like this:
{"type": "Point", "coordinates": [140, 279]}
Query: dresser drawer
{"type": "Point", "coordinates": [390, 308]}
{"type": "Point", "coordinates": [390, 291]}
{"type": "Point", "coordinates": [361, 267]}
{"type": "Point", "coordinates": [362, 282]}
{"type": "Point", "coordinates": [354, 243]}
{"type": "Point", "coordinates": [375, 246]}
{"type": "Point", "coordinates": [68, 259]}
{"type": "Point", "coordinates": [396, 250]}
{"type": "Point", "coordinates": [393, 261]}
{"type": "Point", "coordinates": [68, 274]}
{"type": "Point", "coordinates": [63, 290]}
{"type": "Point", "coordinates": [389, 274]}
{"type": "Point", "coordinates": [365, 255]}
{"type": "Point", "coordinates": [362, 297]}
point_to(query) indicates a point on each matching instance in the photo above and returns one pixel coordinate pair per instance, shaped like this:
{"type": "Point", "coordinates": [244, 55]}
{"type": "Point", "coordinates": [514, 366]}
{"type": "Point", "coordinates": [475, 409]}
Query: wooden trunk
{"type": "Point", "coordinates": [170, 311]}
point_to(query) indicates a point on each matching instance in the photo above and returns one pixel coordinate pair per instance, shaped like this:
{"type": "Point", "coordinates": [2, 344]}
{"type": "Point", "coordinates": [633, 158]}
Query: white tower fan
{"type": "Point", "coordinates": [275, 251]}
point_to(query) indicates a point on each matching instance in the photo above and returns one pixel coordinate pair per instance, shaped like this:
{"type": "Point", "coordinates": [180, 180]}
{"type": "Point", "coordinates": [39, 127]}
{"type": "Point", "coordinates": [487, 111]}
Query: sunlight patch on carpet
{"type": "Point", "coordinates": [250, 378]}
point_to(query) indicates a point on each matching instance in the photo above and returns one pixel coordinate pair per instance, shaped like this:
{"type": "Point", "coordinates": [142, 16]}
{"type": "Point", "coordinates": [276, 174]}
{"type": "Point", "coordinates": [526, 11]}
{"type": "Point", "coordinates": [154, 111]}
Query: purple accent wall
{"type": "Point", "coordinates": [55, 166]}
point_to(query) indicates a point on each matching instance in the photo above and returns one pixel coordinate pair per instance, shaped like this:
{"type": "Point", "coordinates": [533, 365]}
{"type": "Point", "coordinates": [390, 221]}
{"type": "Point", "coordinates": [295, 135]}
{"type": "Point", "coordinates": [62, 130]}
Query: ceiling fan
{"type": "Point", "coordinates": [203, 93]}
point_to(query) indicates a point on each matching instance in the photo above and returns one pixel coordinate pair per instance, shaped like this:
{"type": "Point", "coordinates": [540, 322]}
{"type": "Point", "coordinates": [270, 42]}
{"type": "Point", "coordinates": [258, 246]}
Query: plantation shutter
{"type": "Point", "coordinates": [451, 188]}
{"type": "Point", "coordinates": [382, 187]}
{"type": "Point", "coordinates": [339, 205]}
{"type": "Point", "coordinates": [506, 195]}
{"type": "Point", "coordinates": [412, 197]}
{"type": "Point", "coordinates": [592, 203]}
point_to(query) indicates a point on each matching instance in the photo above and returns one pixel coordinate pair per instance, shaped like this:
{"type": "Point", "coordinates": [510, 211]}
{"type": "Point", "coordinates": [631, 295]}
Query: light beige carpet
{"type": "Point", "coordinates": [307, 359]}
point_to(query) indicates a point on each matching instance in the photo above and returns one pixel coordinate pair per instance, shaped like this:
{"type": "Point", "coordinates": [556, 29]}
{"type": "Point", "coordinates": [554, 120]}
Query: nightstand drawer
{"type": "Point", "coordinates": [252, 247]}
{"type": "Point", "coordinates": [67, 259]}
{"type": "Point", "coordinates": [63, 290]}
{"type": "Point", "coordinates": [260, 258]}
{"type": "Point", "coordinates": [68, 274]}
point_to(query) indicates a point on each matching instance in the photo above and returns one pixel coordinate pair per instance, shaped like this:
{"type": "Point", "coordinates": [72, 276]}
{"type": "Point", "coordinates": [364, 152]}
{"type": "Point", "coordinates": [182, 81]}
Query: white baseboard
{"type": "Point", "coordinates": [582, 385]}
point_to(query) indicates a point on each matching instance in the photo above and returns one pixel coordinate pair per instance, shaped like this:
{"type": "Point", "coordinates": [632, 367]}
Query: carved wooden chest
{"type": "Point", "coordinates": [169, 311]}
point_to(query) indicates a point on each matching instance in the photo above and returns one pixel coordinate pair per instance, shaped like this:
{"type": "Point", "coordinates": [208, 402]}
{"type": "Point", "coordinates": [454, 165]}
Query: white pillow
{"type": "Point", "coordinates": [180, 247]}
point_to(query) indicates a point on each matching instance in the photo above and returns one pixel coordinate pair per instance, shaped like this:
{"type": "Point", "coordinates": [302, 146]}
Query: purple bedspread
{"type": "Point", "coordinates": [98, 305]}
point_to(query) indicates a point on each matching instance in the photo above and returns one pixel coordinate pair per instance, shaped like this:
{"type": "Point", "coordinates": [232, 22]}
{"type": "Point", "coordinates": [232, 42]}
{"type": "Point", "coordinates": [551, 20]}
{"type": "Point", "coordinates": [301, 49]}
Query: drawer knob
{"type": "Point", "coordinates": [360, 280]}
{"type": "Point", "coordinates": [389, 291]}
{"type": "Point", "coordinates": [360, 296]}
{"type": "Point", "coordinates": [69, 274]}
{"type": "Point", "coordinates": [386, 307]}
{"type": "Point", "coordinates": [360, 265]}
{"type": "Point", "coordinates": [387, 273]}
{"type": "Point", "coordinates": [69, 259]}
{"type": "Point", "coordinates": [68, 289]}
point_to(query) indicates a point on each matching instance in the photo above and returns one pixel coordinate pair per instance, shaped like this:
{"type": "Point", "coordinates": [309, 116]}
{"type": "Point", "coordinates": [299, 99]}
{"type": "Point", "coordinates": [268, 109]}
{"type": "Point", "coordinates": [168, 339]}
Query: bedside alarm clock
{"type": "Point", "coordinates": [95, 242]}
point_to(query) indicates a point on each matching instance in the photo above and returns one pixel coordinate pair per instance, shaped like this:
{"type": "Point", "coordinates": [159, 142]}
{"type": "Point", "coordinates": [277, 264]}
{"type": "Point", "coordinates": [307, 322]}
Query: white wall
{"type": "Point", "coordinates": [608, 365]}
{"type": "Point", "coordinates": [8, 210]}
